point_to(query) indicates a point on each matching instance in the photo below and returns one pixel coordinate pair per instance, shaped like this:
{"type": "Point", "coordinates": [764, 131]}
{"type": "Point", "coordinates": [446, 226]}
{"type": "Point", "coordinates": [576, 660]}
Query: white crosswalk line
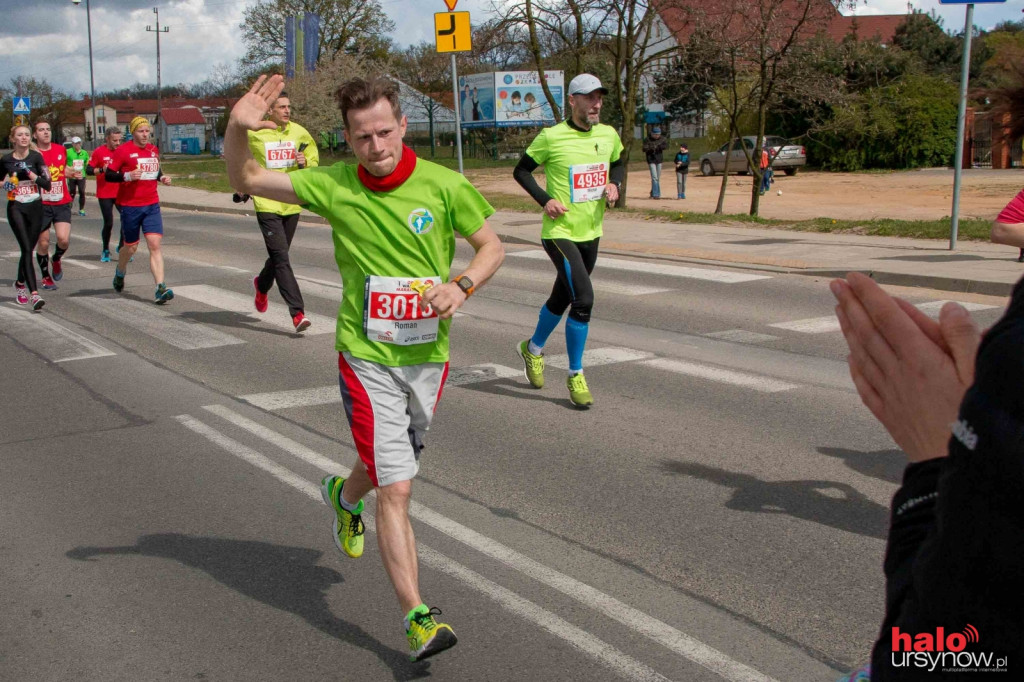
{"type": "Point", "coordinates": [829, 323]}
{"type": "Point", "coordinates": [742, 336]}
{"type": "Point", "coordinates": [650, 267]}
{"type": "Point", "coordinates": [320, 290]}
{"type": "Point", "coordinates": [599, 356]}
{"type": "Point", "coordinates": [241, 304]}
{"type": "Point", "coordinates": [159, 322]}
{"type": "Point", "coordinates": [80, 263]}
{"type": "Point", "coordinates": [725, 376]}
{"type": "Point", "coordinates": [305, 397]}
{"type": "Point", "coordinates": [658, 631]}
{"type": "Point", "coordinates": [626, 289]}
{"type": "Point", "coordinates": [46, 337]}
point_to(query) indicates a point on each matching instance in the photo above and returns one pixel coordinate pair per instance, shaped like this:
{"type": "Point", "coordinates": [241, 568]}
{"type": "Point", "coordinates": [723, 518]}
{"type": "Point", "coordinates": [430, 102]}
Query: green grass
{"type": "Point", "coordinates": [209, 174]}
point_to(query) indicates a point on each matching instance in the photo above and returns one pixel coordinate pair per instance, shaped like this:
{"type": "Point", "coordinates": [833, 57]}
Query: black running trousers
{"type": "Point", "coordinates": [574, 261]}
{"type": "Point", "coordinates": [26, 222]}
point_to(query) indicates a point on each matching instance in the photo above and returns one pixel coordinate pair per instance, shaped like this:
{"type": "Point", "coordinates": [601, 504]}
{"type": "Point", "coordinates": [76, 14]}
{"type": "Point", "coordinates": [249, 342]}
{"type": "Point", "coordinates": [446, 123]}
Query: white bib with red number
{"type": "Point", "coordinates": [26, 192]}
{"type": "Point", "coordinates": [587, 181]}
{"type": "Point", "coordinates": [392, 313]}
{"type": "Point", "coordinates": [78, 165]}
{"type": "Point", "coordinates": [150, 168]}
{"type": "Point", "coordinates": [56, 192]}
{"type": "Point", "coordinates": [280, 154]}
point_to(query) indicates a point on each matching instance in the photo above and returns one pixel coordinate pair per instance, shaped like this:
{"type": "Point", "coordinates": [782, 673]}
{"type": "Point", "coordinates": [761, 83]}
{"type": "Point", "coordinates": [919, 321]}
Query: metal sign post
{"type": "Point", "coordinates": [452, 33]}
{"type": "Point", "coordinates": [961, 116]}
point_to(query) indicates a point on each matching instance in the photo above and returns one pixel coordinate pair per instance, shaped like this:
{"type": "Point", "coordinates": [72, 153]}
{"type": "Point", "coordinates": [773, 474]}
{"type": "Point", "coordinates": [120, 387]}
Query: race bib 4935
{"type": "Point", "coordinates": [587, 181]}
{"type": "Point", "coordinates": [392, 313]}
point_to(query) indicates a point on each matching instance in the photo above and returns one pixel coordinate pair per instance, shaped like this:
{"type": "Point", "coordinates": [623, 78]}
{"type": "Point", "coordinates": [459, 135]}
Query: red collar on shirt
{"type": "Point", "coordinates": [402, 171]}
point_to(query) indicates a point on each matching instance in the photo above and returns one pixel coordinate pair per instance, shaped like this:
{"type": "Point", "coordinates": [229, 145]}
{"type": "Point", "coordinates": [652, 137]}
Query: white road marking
{"type": "Point", "coordinates": [51, 340]}
{"type": "Point", "coordinates": [622, 664]}
{"type": "Point", "coordinates": [176, 259]}
{"type": "Point", "coordinates": [336, 285]}
{"type": "Point", "coordinates": [305, 397]}
{"type": "Point", "coordinates": [323, 291]}
{"type": "Point", "coordinates": [742, 336]}
{"type": "Point", "coordinates": [626, 289]}
{"type": "Point", "coordinates": [474, 374]}
{"type": "Point", "coordinates": [599, 356]}
{"type": "Point", "coordinates": [829, 323]}
{"type": "Point", "coordinates": [80, 263]}
{"type": "Point", "coordinates": [159, 322]}
{"type": "Point", "coordinates": [660, 632]}
{"type": "Point", "coordinates": [241, 304]}
{"type": "Point", "coordinates": [726, 376]}
{"type": "Point", "coordinates": [650, 267]}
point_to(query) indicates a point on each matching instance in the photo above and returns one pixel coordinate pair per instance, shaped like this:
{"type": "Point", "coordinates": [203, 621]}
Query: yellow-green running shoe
{"type": "Point", "coordinates": [579, 393]}
{"type": "Point", "coordinates": [534, 364]}
{"type": "Point", "coordinates": [348, 526]}
{"type": "Point", "coordinates": [426, 636]}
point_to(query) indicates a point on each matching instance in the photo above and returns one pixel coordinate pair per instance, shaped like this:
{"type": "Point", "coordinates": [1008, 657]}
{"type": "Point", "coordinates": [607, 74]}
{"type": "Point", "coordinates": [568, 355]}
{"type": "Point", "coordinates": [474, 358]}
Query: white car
{"type": "Point", "coordinates": [784, 156]}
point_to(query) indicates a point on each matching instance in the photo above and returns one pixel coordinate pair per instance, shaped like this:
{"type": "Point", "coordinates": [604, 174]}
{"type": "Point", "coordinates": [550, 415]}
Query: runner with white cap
{"type": "Point", "coordinates": [581, 162]}
{"type": "Point", "coordinates": [77, 160]}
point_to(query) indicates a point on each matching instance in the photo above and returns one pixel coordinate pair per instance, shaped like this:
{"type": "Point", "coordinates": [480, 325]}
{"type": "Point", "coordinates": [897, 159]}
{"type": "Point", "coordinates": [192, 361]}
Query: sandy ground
{"type": "Point", "coordinates": [908, 195]}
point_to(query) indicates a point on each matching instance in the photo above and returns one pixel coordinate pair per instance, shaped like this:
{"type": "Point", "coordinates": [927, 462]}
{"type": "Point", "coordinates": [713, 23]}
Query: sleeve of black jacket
{"type": "Point", "coordinates": [523, 173]}
{"type": "Point", "coordinates": [955, 555]}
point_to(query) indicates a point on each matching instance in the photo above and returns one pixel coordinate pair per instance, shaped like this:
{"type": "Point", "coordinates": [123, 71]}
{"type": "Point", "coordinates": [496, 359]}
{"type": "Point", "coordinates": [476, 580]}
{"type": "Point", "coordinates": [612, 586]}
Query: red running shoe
{"type": "Point", "coordinates": [261, 298]}
{"type": "Point", "coordinates": [301, 323]}
{"type": "Point", "coordinates": [58, 270]}
{"type": "Point", "coordinates": [48, 283]}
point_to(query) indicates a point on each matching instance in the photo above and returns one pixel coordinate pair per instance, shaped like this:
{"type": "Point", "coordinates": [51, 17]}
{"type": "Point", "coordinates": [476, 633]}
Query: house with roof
{"type": "Point", "coordinates": [181, 130]}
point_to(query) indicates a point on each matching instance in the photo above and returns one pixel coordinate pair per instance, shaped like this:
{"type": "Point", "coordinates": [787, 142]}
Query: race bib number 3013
{"type": "Point", "coordinates": [280, 154]}
{"type": "Point", "coordinates": [587, 181]}
{"type": "Point", "coordinates": [392, 313]}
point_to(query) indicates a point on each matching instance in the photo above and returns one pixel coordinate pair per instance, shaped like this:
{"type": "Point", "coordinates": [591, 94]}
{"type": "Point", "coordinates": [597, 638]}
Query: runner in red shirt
{"type": "Point", "coordinates": [56, 205]}
{"type": "Point", "coordinates": [136, 165]}
{"type": "Point", "coordinates": [1009, 225]}
{"type": "Point", "coordinates": [106, 192]}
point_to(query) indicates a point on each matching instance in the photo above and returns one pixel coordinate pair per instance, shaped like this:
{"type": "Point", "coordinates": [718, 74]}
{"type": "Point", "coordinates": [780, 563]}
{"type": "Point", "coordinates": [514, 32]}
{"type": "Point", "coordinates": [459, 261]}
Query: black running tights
{"type": "Point", "coordinates": [26, 222]}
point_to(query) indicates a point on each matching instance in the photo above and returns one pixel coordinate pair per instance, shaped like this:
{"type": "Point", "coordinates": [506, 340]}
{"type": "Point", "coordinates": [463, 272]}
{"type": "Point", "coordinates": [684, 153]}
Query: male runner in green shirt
{"type": "Point", "coordinates": [77, 160]}
{"type": "Point", "coordinates": [394, 219]}
{"type": "Point", "coordinates": [582, 166]}
{"type": "Point", "coordinates": [284, 149]}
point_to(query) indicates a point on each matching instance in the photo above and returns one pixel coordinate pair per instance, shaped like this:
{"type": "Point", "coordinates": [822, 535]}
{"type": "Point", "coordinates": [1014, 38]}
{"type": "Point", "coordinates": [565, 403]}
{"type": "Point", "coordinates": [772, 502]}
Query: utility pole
{"type": "Point", "coordinates": [158, 31]}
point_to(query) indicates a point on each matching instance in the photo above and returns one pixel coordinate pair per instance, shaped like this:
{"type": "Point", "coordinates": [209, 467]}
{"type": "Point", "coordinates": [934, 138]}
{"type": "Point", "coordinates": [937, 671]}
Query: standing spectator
{"type": "Point", "coordinates": [766, 171]}
{"type": "Point", "coordinates": [682, 170]}
{"type": "Point", "coordinates": [654, 146]}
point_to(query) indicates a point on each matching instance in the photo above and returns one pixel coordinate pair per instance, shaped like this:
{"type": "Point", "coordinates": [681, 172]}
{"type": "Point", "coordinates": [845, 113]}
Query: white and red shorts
{"type": "Point", "coordinates": [389, 410]}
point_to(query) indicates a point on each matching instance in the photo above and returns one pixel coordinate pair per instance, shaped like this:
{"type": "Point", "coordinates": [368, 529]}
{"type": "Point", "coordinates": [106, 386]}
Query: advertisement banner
{"type": "Point", "coordinates": [520, 100]}
{"type": "Point", "coordinates": [476, 100]}
{"type": "Point", "coordinates": [289, 47]}
{"type": "Point", "coordinates": [311, 40]}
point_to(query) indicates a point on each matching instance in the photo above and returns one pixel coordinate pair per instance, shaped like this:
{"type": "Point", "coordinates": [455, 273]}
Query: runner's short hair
{"type": "Point", "coordinates": [284, 94]}
{"type": "Point", "coordinates": [110, 131]}
{"type": "Point", "coordinates": [358, 94]}
{"type": "Point", "coordinates": [38, 122]}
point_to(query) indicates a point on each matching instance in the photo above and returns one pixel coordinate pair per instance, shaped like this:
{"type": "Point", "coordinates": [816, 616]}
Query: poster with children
{"type": "Point", "coordinates": [519, 98]}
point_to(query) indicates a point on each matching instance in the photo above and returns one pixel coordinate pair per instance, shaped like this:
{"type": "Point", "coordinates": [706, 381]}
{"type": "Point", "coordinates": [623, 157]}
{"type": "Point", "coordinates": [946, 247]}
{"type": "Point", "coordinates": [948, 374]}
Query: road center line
{"type": "Point", "coordinates": [625, 666]}
{"type": "Point", "coordinates": [656, 630]}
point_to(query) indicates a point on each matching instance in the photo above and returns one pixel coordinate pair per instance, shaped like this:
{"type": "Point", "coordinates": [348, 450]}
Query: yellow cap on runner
{"type": "Point", "coordinates": [136, 122]}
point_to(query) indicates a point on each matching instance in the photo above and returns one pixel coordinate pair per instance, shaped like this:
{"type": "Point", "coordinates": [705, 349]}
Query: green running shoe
{"type": "Point", "coordinates": [162, 295]}
{"type": "Point", "coordinates": [534, 364]}
{"type": "Point", "coordinates": [118, 281]}
{"type": "Point", "coordinates": [426, 636]}
{"type": "Point", "coordinates": [579, 393]}
{"type": "Point", "coordinates": [348, 526]}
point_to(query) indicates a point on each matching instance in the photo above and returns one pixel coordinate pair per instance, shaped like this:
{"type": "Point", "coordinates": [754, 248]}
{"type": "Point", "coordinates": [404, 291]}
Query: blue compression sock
{"type": "Point", "coordinates": [546, 323]}
{"type": "Point", "coordinates": [575, 340]}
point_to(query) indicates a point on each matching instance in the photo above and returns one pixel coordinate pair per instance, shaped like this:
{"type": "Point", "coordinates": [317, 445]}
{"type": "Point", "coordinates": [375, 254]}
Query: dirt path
{"type": "Point", "coordinates": [908, 195]}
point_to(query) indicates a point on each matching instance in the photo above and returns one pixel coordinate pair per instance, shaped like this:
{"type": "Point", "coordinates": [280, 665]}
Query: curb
{"type": "Point", "coordinates": [955, 284]}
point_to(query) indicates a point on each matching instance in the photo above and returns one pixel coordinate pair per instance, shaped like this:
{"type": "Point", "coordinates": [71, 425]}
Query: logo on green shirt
{"type": "Point", "coordinates": [420, 221]}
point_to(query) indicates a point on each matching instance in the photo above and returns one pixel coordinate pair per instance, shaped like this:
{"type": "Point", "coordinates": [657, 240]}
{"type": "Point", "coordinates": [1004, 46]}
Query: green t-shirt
{"type": "Point", "coordinates": [564, 150]}
{"type": "Point", "coordinates": [282, 146]}
{"type": "Point", "coordinates": [382, 242]}
{"type": "Point", "coordinates": [82, 157]}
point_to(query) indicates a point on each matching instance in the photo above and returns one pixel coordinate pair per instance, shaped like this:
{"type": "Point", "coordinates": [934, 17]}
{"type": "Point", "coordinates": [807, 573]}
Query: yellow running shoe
{"type": "Point", "coordinates": [579, 393]}
{"type": "Point", "coordinates": [426, 636]}
{"type": "Point", "coordinates": [534, 364]}
{"type": "Point", "coordinates": [348, 526]}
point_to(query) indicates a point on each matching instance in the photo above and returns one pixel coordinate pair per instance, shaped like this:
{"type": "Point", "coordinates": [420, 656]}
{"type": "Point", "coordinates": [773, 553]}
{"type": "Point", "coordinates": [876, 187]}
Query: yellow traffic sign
{"type": "Point", "coordinates": [452, 32]}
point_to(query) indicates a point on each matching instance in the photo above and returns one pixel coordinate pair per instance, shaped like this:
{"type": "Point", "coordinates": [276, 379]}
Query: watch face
{"type": "Point", "coordinates": [465, 283]}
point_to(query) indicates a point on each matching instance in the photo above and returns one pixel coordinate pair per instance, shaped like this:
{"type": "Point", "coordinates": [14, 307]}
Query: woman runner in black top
{"type": "Point", "coordinates": [24, 173]}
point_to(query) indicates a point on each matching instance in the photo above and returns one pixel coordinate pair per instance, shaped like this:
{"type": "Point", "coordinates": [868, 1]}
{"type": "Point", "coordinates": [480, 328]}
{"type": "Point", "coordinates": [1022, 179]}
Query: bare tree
{"type": "Point", "coordinates": [345, 25]}
{"type": "Point", "coordinates": [312, 93]}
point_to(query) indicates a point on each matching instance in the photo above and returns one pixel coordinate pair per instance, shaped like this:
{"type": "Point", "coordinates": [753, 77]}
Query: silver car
{"type": "Point", "coordinates": [784, 156]}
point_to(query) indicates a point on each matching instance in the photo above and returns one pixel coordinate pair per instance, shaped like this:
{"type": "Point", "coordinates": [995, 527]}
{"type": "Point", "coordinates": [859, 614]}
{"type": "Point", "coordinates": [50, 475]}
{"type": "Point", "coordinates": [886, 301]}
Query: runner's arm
{"type": "Point", "coordinates": [42, 174]}
{"type": "Point", "coordinates": [523, 173]}
{"type": "Point", "coordinates": [449, 297]}
{"type": "Point", "coordinates": [617, 172]}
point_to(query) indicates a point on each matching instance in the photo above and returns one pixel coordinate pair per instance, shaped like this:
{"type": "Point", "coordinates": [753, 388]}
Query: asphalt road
{"type": "Point", "coordinates": [720, 512]}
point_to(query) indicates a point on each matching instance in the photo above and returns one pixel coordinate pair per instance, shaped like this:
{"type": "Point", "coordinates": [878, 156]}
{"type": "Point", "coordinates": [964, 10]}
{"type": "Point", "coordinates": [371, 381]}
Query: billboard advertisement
{"type": "Point", "coordinates": [520, 100]}
{"type": "Point", "coordinates": [476, 100]}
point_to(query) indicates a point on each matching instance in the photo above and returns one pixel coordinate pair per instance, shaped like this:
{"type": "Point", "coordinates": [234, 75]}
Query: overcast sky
{"type": "Point", "coordinates": [48, 39]}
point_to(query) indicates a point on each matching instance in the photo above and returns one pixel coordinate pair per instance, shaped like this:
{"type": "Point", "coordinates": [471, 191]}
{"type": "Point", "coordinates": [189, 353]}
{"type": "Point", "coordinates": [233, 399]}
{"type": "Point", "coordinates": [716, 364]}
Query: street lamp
{"type": "Point", "coordinates": [92, 82]}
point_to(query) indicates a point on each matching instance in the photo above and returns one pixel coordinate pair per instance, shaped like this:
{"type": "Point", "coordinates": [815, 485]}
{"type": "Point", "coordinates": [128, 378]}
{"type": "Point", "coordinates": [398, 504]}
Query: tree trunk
{"type": "Point", "coordinates": [725, 181]}
{"type": "Point", "coordinates": [531, 23]}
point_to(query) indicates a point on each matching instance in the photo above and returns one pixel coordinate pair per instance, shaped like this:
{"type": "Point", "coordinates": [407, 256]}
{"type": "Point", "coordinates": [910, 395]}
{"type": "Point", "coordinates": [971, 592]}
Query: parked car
{"type": "Point", "coordinates": [784, 156]}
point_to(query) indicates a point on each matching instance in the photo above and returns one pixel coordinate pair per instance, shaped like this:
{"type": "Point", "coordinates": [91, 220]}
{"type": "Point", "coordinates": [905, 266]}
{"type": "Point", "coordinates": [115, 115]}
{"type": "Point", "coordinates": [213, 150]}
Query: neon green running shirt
{"type": "Point", "coordinates": [587, 156]}
{"type": "Point", "coordinates": [382, 242]}
{"type": "Point", "coordinates": [281, 145]}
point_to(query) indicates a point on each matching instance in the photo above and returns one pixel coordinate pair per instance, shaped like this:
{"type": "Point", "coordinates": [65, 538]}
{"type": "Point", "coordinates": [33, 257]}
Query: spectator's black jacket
{"type": "Point", "coordinates": [653, 149]}
{"type": "Point", "coordinates": [955, 555]}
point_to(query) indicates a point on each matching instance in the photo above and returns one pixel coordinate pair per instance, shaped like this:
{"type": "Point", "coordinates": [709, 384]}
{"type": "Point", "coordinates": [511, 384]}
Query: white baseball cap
{"type": "Point", "coordinates": [586, 83]}
{"type": "Point", "coordinates": [76, 140]}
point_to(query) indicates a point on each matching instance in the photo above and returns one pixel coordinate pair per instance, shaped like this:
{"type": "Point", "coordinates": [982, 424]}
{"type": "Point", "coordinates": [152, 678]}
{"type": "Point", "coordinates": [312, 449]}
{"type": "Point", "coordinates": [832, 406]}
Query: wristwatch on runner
{"type": "Point", "coordinates": [466, 284]}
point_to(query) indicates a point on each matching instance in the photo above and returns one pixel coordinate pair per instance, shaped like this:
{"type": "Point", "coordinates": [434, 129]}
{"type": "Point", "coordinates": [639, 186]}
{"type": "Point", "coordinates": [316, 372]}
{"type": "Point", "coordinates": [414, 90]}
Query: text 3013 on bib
{"type": "Point", "coordinates": [587, 181]}
{"type": "Point", "coordinates": [392, 313]}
